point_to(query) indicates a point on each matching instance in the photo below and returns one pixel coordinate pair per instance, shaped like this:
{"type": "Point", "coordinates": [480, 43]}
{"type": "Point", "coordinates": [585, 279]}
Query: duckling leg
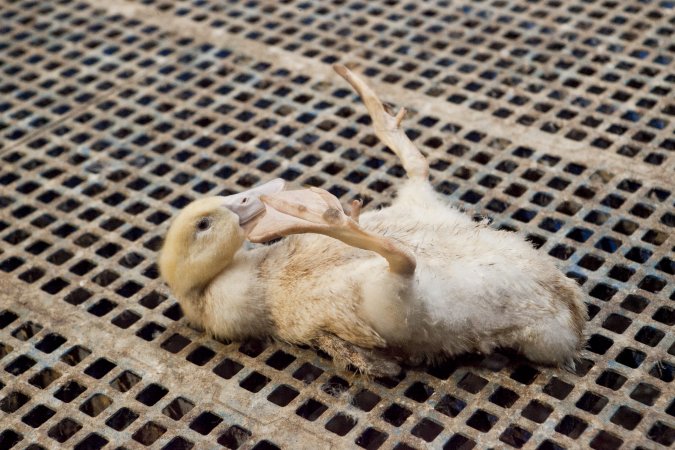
{"type": "Point", "coordinates": [387, 127]}
{"type": "Point", "coordinates": [318, 211]}
{"type": "Point", "coordinates": [345, 354]}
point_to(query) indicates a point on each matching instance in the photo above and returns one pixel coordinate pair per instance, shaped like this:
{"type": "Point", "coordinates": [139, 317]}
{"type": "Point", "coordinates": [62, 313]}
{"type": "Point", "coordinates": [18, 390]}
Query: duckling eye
{"type": "Point", "coordinates": [203, 224]}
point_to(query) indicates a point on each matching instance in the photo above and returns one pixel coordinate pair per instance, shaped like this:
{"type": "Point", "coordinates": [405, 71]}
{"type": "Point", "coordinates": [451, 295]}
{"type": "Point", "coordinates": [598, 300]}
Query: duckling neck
{"type": "Point", "coordinates": [189, 279]}
{"type": "Point", "coordinates": [233, 305]}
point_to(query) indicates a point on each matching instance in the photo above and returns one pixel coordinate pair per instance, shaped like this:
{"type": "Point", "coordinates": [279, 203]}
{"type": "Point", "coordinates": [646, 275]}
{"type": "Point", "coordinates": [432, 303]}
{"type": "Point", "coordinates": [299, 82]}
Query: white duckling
{"type": "Point", "coordinates": [413, 282]}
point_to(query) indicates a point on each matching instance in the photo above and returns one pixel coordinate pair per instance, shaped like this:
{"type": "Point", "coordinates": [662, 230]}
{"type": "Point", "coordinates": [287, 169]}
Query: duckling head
{"type": "Point", "coordinates": [204, 238]}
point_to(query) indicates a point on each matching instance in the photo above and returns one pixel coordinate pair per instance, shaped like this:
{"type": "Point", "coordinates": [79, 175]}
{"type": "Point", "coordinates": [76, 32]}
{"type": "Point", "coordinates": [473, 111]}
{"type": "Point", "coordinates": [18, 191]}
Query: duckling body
{"type": "Point", "coordinates": [412, 282]}
{"type": "Point", "coordinates": [474, 289]}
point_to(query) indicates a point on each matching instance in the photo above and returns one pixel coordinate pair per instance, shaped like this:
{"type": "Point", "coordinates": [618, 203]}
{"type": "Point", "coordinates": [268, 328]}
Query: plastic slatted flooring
{"type": "Point", "coordinates": [553, 118]}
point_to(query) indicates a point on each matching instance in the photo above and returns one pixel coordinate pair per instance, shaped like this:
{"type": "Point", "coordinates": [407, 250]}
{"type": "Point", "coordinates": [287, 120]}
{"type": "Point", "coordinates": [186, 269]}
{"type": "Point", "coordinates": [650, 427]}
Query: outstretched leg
{"type": "Point", "coordinates": [388, 127]}
{"type": "Point", "coordinates": [315, 210]}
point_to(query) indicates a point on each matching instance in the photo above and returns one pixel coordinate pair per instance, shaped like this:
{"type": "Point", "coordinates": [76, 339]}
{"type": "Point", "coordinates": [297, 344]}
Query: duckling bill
{"type": "Point", "coordinates": [410, 283]}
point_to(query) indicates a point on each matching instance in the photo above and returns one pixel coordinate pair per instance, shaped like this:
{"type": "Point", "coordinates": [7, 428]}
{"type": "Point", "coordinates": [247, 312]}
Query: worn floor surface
{"type": "Point", "coordinates": [555, 118]}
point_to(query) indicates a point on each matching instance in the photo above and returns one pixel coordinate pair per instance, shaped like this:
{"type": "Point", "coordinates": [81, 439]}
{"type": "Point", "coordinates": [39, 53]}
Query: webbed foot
{"type": "Point", "coordinates": [316, 210]}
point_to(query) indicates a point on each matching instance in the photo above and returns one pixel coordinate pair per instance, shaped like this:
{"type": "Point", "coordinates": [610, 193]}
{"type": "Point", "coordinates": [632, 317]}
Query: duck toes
{"type": "Point", "coordinates": [414, 282]}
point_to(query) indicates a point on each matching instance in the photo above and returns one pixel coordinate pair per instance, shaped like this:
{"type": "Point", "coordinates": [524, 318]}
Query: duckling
{"type": "Point", "coordinates": [414, 282]}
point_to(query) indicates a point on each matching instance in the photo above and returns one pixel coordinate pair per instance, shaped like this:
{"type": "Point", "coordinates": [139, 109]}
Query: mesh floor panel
{"type": "Point", "coordinates": [554, 118]}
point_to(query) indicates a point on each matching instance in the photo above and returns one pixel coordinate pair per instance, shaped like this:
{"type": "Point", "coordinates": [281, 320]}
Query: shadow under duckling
{"type": "Point", "coordinates": [411, 283]}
